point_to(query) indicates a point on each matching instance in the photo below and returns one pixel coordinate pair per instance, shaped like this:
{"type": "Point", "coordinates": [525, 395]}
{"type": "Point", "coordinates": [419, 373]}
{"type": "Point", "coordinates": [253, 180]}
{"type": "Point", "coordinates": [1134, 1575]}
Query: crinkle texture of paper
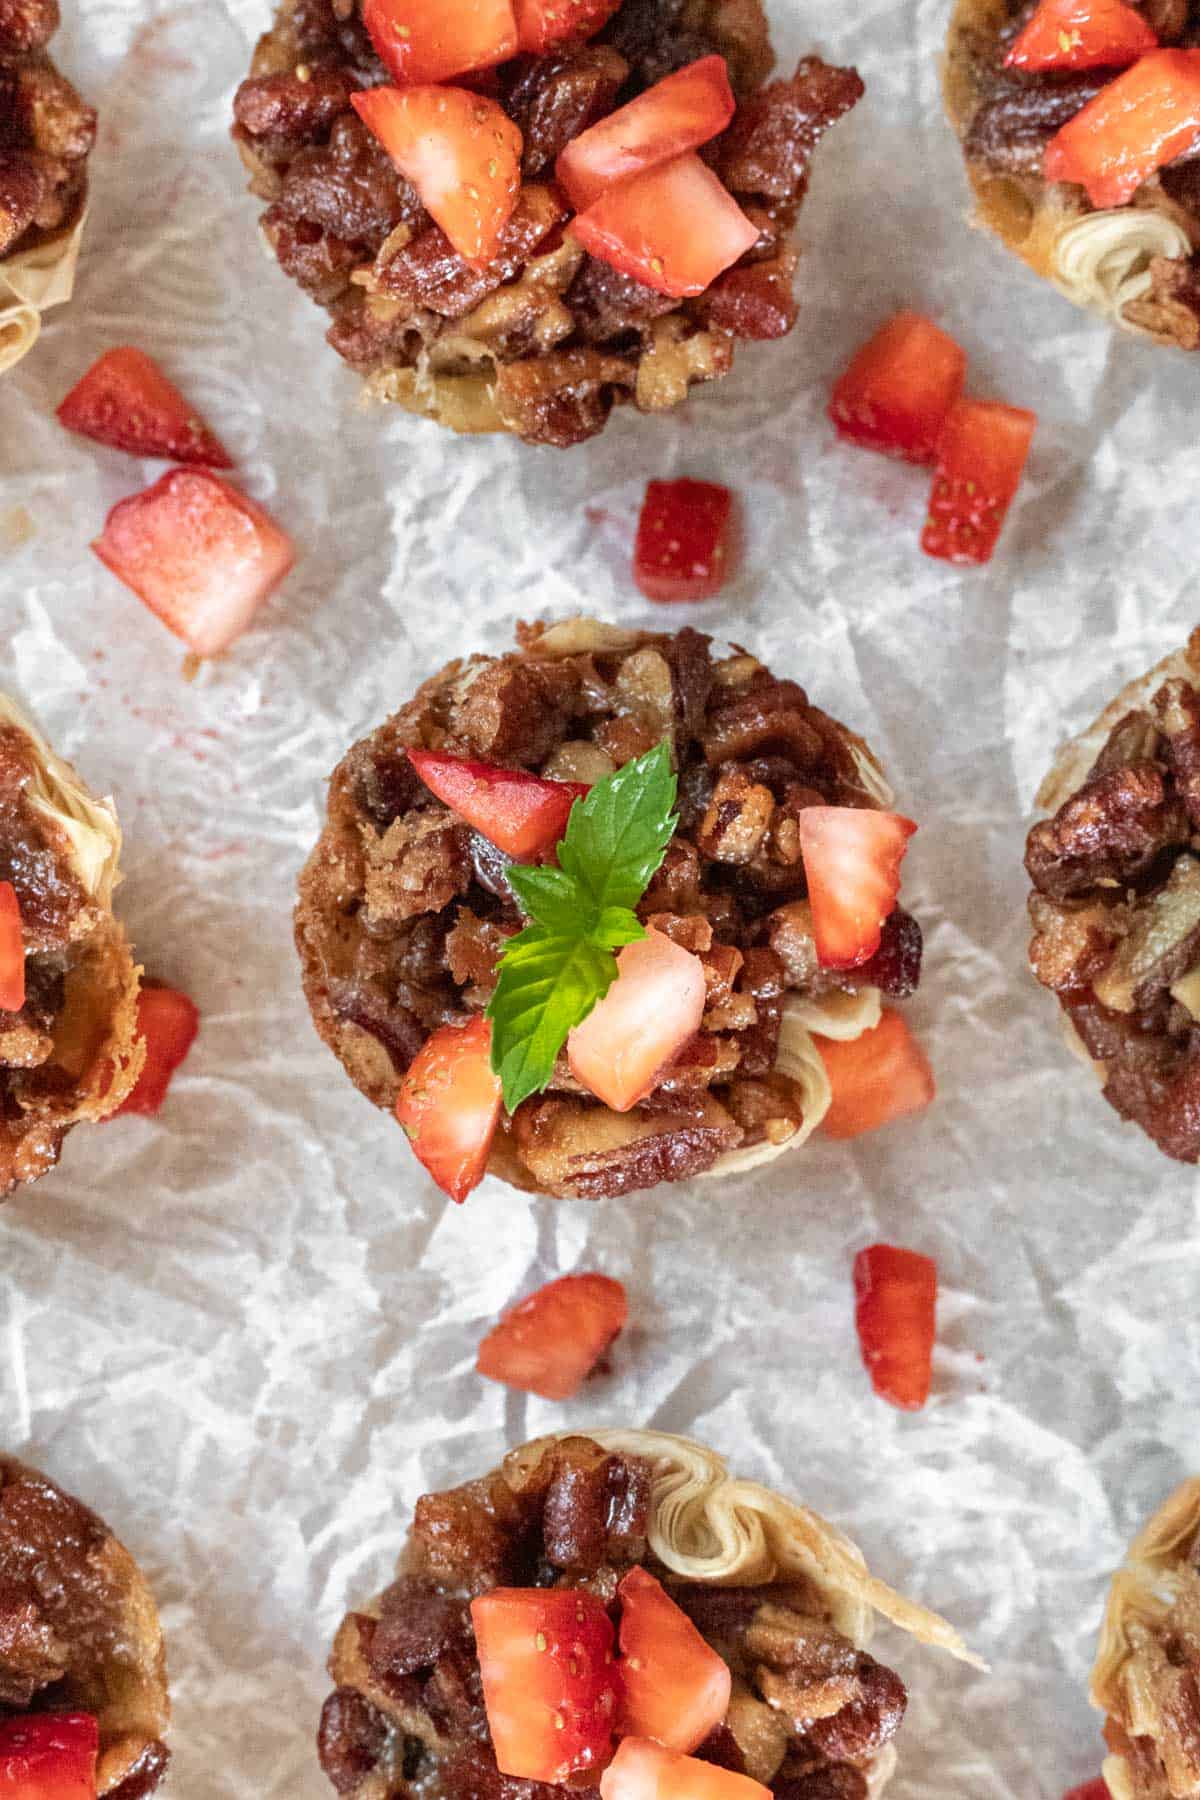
{"type": "Point", "coordinates": [245, 1331]}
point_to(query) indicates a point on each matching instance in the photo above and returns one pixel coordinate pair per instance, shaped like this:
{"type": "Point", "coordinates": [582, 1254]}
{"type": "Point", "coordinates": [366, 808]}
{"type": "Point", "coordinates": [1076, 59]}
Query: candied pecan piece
{"type": "Point", "coordinates": [755, 300]}
{"type": "Point", "coordinates": [419, 865]}
{"type": "Point", "coordinates": [473, 949]}
{"type": "Point", "coordinates": [1109, 832]}
{"type": "Point", "coordinates": [1172, 306]}
{"type": "Point", "coordinates": [607, 304]}
{"type": "Point", "coordinates": [562, 398]}
{"type": "Point", "coordinates": [20, 197]}
{"type": "Point", "coordinates": [417, 1625]}
{"type": "Point", "coordinates": [32, 1654]}
{"type": "Point", "coordinates": [557, 97]}
{"type": "Point", "coordinates": [1072, 939]}
{"type": "Point", "coordinates": [769, 1109]}
{"type": "Point", "coordinates": [350, 187]}
{"type": "Point", "coordinates": [831, 1781]}
{"type": "Point", "coordinates": [1177, 710]}
{"type": "Point", "coordinates": [738, 818]}
{"type": "Point", "coordinates": [474, 1534]}
{"type": "Point", "coordinates": [1133, 739]}
{"type": "Point", "coordinates": [515, 710]}
{"type": "Point", "coordinates": [720, 1747]}
{"type": "Point", "coordinates": [351, 1738]}
{"type": "Point", "coordinates": [321, 263]}
{"type": "Point", "coordinates": [871, 1719]}
{"type": "Point", "coordinates": [1017, 119]}
{"type": "Point", "coordinates": [722, 1615]}
{"type": "Point", "coordinates": [56, 120]}
{"type": "Point", "coordinates": [1149, 1077]}
{"type": "Point", "coordinates": [768, 147]}
{"type": "Point", "coordinates": [387, 1020]}
{"type": "Point", "coordinates": [429, 272]}
{"type": "Point", "coordinates": [772, 715]}
{"type": "Point", "coordinates": [596, 1507]}
{"type": "Point", "coordinates": [587, 1153]}
{"type": "Point", "coordinates": [803, 1666]}
{"type": "Point", "coordinates": [27, 25]}
{"type": "Point", "coordinates": [1160, 943]}
{"type": "Point", "coordinates": [367, 335]}
{"type": "Point", "coordinates": [287, 105]}
{"type": "Point", "coordinates": [144, 1775]}
{"type": "Point", "coordinates": [654, 40]}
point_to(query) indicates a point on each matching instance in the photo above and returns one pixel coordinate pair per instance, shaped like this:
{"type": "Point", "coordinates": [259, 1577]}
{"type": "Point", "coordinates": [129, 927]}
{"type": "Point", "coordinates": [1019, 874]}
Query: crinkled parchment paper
{"type": "Point", "coordinates": [245, 1330]}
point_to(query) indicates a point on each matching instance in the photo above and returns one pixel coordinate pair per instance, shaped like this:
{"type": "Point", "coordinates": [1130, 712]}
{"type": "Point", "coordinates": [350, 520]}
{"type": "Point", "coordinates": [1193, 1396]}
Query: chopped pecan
{"type": "Point", "coordinates": [428, 272]}
{"type": "Point", "coordinates": [561, 398]}
{"type": "Point", "coordinates": [1072, 939]}
{"type": "Point", "coordinates": [755, 300]}
{"type": "Point", "coordinates": [20, 197]}
{"type": "Point", "coordinates": [301, 108]}
{"type": "Point", "coordinates": [417, 1625]}
{"type": "Point", "coordinates": [1177, 710]}
{"type": "Point", "coordinates": [419, 865]}
{"type": "Point", "coordinates": [1108, 833]}
{"type": "Point", "coordinates": [351, 1738]}
{"type": "Point", "coordinates": [738, 818]}
{"type": "Point", "coordinates": [582, 1152]}
{"type": "Point", "coordinates": [557, 97]}
{"type": "Point", "coordinates": [870, 1720]}
{"type": "Point", "coordinates": [1017, 119]}
{"type": "Point", "coordinates": [1171, 308]}
{"type": "Point", "coordinates": [768, 147]}
{"type": "Point", "coordinates": [26, 25]}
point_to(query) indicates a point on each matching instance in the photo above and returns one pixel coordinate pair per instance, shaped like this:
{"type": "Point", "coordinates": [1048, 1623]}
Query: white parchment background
{"type": "Point", "coordinates": [245, 1331]}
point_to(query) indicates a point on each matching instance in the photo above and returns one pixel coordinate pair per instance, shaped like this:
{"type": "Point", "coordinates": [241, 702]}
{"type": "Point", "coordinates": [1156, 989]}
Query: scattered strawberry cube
{"type": "Point", "coordinates": [550, 1686]}
{"type": "Point", "coordinates": [127, 402]}
{"type": "Point", "coordinates": [12, 951]}
{"type": "Point", "coordinates": [852, 857]}
{"type": "Point", "coordinates": [1068, 35]}
{"type": "Point", "coordinates": [198, 553]}
{"type": "Point", "coordinates": [896, 393]}
{"type": "Point", "coordinates": [650, 1012]}
{"type": "Point", "coordinates": [684, 540]}
{"type": "Point", "coordinates": [461, 152]}
{"type": "Point", "coordinates": [674, 228]}
{"type": "Point", "coordinates": [541, 24]}
{"type": "Point", "coordinates": [677, 114]}
{"type": "Point", "coordinates": [643, 1770]}
{"type": "Point", "coordinates": [676, 1686]}
{"type": "Point", "coordinates": [168, 1022]}
{"type": "Point", "coordinates": [49, 1756]}
{"type": "Point", "coordinates": [549, 1343]}
{"type": "Point", "coordinates": [421, 41]}
{"type": "Point", "coordinates": [880, 1076]}
{"type": "Point", "coordinates": [1138, 123]}
{"type": "Point", "coordinates": [895, 1303]}
{"type": "Point", "coordinates": [981, 454]}
{"type": "Point", "coordinates": [449, 1105]}
{"type": "Point", "coordinates": [1091, 1790]}
{"type": "Point", "coordinates": [524, 815]}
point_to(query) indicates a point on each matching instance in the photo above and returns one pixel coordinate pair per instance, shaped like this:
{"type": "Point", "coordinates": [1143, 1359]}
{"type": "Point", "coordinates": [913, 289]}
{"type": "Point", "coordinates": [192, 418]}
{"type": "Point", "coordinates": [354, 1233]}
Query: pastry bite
{"type": "Point", "coordinates": [69, 1048]}
{"type": "Point", "coordinates": [83, 1687]}
{"type": "Point", "coordinates": [1078, 120]}
{"type": "Point", "coordinates": [605, 793]}
{"type": "Point", "coordinates": [1146, 1679]}
{"type": "Point", "coordinates": [1115, 905]}
{"type": "Point", "coordinates": [617, 1612]}
{"type": "Point", "coordinates": [497, 248]}
{"type": "Point", "coordinates": [46, 135]}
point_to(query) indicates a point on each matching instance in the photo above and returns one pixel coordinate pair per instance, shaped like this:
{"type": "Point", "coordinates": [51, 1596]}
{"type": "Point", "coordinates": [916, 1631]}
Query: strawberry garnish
{"type": "Point", "coordinates": [1091, 1790]}
{"type": "Point", "coordinates": [674, 229]}
{"type": "Point", "coordinates": [1081, 34]}
{"type": "Point", "coordinates": [880, 1076]}
{"type": "Point", "coordinates": [899, 387]}
{"type": "Point", "coordinates": [126, 401]}
{"type": "Point", "coordinates": [198, 553]}
{"type": "Point", "coordinates": [980, 456]}
{"type": "Point", "coordinates": [421, 41]}
{"type": "Point", "coordinates": [1138, 123]}
{"type": "Point", "coordinates": [852, 858]}
{"type": "Point", "coordinates": [12, 951]}
{"type": "Point", "coordinates": [677, 114]}
{"type": "Point", "coordinates": [676, 1686]}
{"type": "Point", "coordinates": [895, 1299]}
{"type": "Point", "coordinates": [460, 151]}
{"type": "Point", "coordinates": [49, 1756]}
{"type": "Point", "coordinates": [684, 537]}
{"type": "Point", "coordinates": [549, 1343]}
{"type": "Point", "coordinates": [649, 1013]}
{"type": "Point", "coordinates": [449, 1105]}
{"type": "Point", "coordinates": [524, 815]}
{"type": "Point", "coordinates": [643, 1770]}
{"type": "Point", "coordinates": [550, 1686]}
{"type": "Point", "coordinates": [167, 1022]}
{"type": "Point", "coordinates": [543, 23]}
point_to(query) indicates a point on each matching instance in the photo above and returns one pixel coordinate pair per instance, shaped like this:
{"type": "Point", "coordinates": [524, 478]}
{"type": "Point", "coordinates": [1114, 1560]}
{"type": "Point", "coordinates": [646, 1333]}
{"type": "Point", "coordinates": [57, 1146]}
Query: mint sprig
{"type": "Point", "coordinates": [555, 970]}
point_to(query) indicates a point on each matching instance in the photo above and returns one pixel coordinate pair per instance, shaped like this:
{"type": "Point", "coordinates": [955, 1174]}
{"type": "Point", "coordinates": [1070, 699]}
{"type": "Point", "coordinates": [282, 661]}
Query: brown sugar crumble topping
{"type": "Point", "coordinates": [546, 339]}
{"type": "Point", "coordinates": [46, 131]}
{"type": "Point", "coordinates": [809, 1712]}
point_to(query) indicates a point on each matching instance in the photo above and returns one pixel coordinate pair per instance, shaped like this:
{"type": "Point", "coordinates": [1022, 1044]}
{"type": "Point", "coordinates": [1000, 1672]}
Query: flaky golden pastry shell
{"type": "Point", "coordinates": [31, 282]}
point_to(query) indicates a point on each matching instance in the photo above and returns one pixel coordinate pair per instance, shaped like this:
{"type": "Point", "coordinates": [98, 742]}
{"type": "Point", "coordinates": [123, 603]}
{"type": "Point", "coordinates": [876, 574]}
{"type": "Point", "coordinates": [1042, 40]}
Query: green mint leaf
{"type": "Point", "coordinates": [554, 971]}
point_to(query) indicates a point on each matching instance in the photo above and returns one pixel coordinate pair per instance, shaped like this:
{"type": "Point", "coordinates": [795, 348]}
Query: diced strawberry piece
{"type": "Point", "coordinates": [48, 1756]}
{"type": "Point", "coordinates": [878, 1077]}
{"type": "Point", "coordinates": [549, 1343]}
{"type": "Point", "coordinates": [684, 540]}
{"type": "Point", "coordinates": [642, 1770]}
{"type": "Point", "coordinates": [449, 1104]}
{"type": "Point", "coordinates": [12, 951]}
{"type": "Point", "coordinates": [461, 152]}
{"type": "Point", "coordinates": [550, 1685]}
{"type": "Point", "coordinates": [541, 24]}
{"type": "Point", "coordinates": [899, 387]}
{"type": "Point", "coordinates": [1091, 1790]}
{"type": "Point", "coordinates": [126, 401]}
{"type": "Point", "coordinates": [199, 554]}
{"type": "Point", "coordinates": [420, 41]}
{"type": "Point", "coordinates": [648, 1014]}
{"type": "Point", "coordinates": [895, 1300]}
{"type": "Point", "coordinates": [524, 815]}
{"type": "Point", "coordinates": [852, 857]}
{"type": "Point", "coordinates": [1144, 119]}
{"type": "Point", "coordinates": [168, 1021]}
{"type": "Point", "coordinates": [676, 1686]}
{"type": "Point", "coordinates": [677, 114]}
{"type": "Point", "coordinates": [1081, 34]}
{"type": "Point", "coordinates": [674, 229]}
{"type": "Point", "coordinates": [981, 453]}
